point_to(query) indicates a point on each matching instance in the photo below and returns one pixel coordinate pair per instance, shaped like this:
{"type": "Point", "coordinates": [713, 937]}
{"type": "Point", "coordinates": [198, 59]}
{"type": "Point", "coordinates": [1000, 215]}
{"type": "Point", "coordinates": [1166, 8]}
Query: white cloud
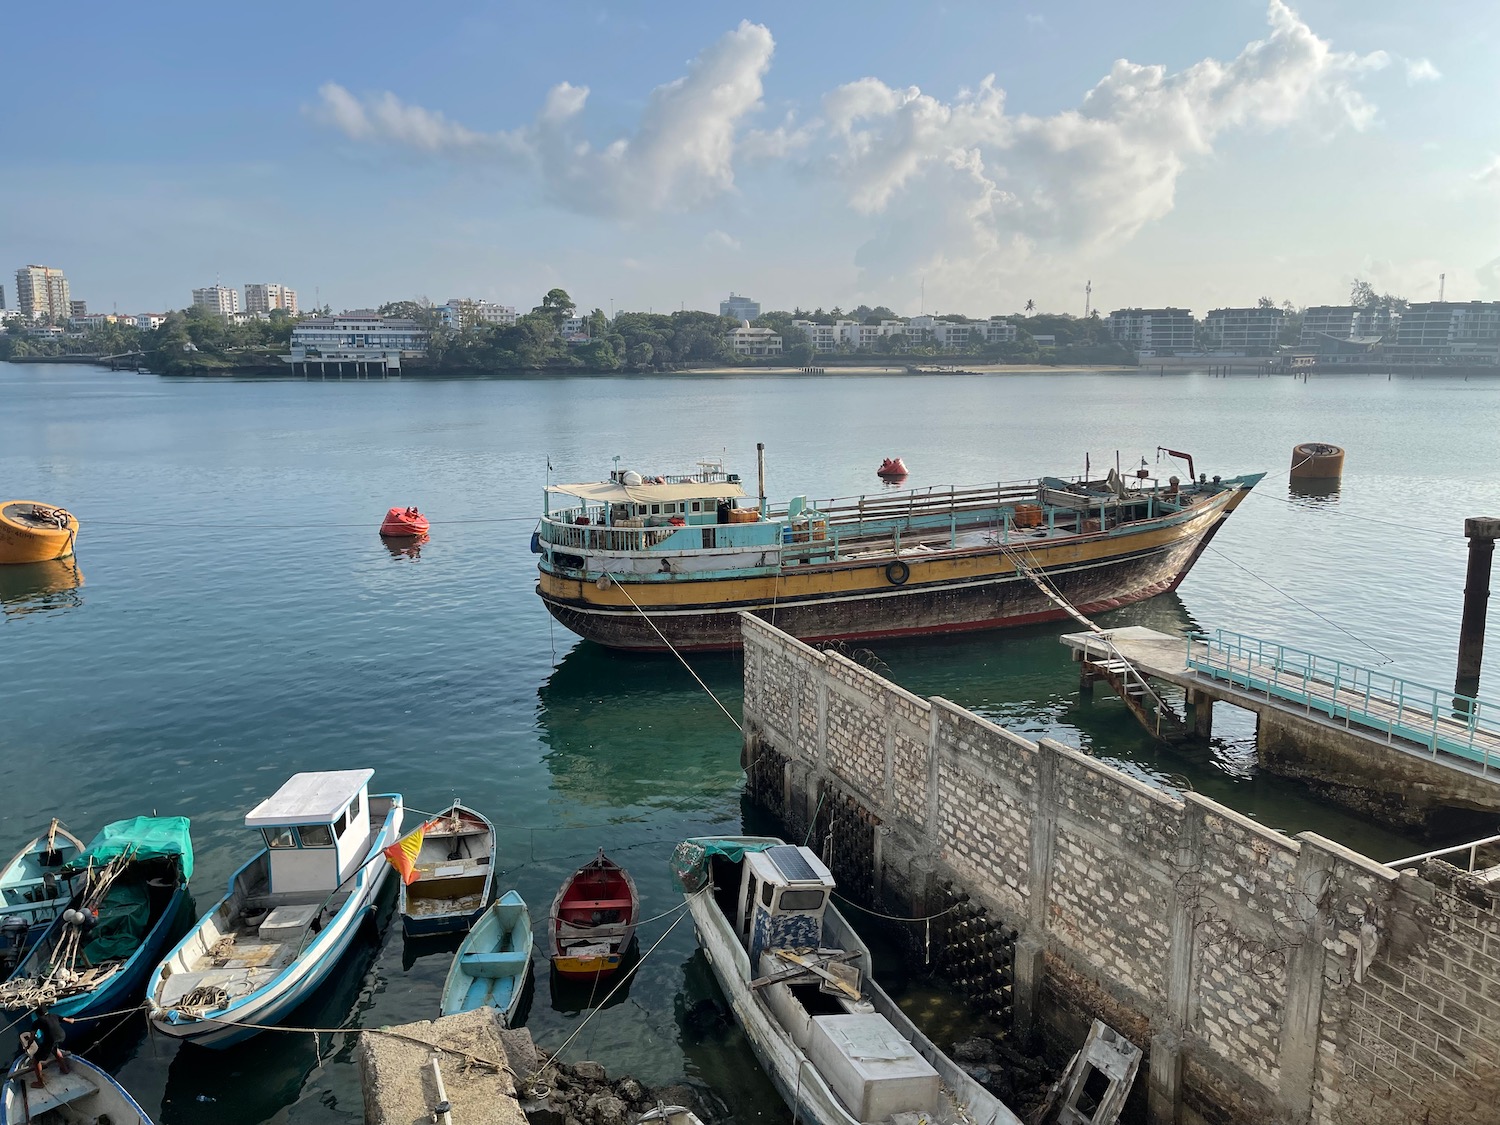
{"type": "Point", "coordinates": [680, 155]}
{"type": "Point", "coordinates": [1013, 186]}
{"type": "Point", "coordinates": [1420, 70]}
{"type": "Point", "coordinates": [721, 240]}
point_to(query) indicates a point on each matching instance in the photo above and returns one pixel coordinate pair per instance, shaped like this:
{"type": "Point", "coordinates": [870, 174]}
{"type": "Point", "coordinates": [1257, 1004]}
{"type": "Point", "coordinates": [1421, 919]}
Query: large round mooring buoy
{"type": "Point", "coordinates": [1317, 460]}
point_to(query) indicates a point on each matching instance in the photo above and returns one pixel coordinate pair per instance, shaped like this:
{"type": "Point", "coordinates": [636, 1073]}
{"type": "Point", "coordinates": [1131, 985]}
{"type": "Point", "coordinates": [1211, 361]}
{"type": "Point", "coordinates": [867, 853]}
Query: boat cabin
{"type": "Point", "coordinates": [316, 828]}
{"type": "Point", "coordinates": [783, 893]}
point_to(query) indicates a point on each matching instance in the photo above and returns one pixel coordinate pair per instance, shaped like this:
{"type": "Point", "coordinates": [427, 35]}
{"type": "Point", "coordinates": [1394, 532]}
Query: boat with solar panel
{"type": "Point", "coordinates": [290, 915]}
{"type": "Point", "coordinates": [651, 562]}
{"type": "Point", "coordinates": [797, 976]}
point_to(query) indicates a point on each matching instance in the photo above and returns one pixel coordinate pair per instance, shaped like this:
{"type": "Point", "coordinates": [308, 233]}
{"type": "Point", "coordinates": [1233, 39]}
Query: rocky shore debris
{"type": "Point", "coordinates": [583, 1093]}
{"type": "Point", "coordinates": [1020, 1080]}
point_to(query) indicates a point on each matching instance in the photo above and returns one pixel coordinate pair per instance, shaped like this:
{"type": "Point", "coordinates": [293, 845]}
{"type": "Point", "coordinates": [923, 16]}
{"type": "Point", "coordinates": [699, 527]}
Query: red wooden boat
{"type": "Point", "coordinates": [593, 919]}
{"type": "Point", "coordinates": [892, 468]}
{"type": "Point", "coordinates": [403, 523]}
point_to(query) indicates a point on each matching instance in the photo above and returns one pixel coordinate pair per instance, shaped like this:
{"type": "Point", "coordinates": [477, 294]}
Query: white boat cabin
{"type": "Point", "coordinates": [317, 829]}
{"type": "Point", "coordinates": [783, 894]}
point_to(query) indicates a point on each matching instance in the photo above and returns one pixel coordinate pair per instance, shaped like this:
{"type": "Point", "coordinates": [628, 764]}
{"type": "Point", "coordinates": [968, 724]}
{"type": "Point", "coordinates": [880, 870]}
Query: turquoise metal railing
{"type": "Point", "coordinates": [1353, 694]}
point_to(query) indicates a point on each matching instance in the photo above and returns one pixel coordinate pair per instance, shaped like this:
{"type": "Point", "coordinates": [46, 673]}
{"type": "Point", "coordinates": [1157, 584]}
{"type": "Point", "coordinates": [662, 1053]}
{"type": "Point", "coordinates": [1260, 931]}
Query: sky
{"type": "Point", "coordinates": [950, 157]}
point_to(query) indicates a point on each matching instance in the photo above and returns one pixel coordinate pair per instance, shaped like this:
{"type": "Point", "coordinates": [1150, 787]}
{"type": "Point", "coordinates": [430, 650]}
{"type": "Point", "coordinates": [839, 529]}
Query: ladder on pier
{"type": "Point", "coordinates": [1129, 682]}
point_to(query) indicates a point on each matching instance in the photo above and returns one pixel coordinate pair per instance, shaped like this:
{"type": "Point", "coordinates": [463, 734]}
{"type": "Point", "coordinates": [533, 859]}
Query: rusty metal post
{"type": "Point", "coordinates": [1481, 532]}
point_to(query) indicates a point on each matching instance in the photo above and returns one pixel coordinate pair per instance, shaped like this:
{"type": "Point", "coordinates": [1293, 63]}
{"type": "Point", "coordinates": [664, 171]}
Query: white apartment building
{"type": "Point", "coordinates": [361, 338]}
{"type": "Point", "coordinates": [1249, 331]}
{"type": "Point", "coordinates": [1154, 331]}
{"type": "Point", "coordinates": [42, 291]}
{"type": "Point", "coordinates": [265, 296]}
{"type": "Point", "coordinates": [1347, 322]}
{"type": "Point", "coordinates": [852, 334]}
{"type": "Point", "coordinates": [754, 341]}
{"type": "Point", "coordinates": [220, 299]}
{"type": "Point", "coordinates": [460, 311]}
{"type": "Point", "coordinates": [1448, 332]}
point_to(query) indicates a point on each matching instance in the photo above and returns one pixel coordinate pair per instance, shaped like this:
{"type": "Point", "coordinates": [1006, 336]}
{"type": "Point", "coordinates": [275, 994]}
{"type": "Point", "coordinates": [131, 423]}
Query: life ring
{"type": "Point", "coordinates": [897, 573]}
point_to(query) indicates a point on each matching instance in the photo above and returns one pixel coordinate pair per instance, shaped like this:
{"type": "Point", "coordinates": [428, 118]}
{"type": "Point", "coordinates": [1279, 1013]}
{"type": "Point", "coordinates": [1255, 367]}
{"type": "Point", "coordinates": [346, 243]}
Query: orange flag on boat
{"type": "Point", "coordinates": [402, 855]}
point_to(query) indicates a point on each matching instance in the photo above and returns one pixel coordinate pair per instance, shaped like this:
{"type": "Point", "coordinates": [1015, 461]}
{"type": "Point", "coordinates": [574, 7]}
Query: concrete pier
{"type": "Point", "coordinates": [1270, 978]}
{"type": "Point", "coordinates": [400, 1087]}
{"type": "Point", "coordinates": [1355, 750]}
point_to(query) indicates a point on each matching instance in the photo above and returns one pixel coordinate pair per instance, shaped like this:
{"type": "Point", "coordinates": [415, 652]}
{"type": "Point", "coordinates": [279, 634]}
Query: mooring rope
{"type": "Point", "coordinates": [673, 649]}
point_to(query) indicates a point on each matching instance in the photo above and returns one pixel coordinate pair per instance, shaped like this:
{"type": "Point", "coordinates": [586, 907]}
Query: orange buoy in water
{"type": "Point", "coordinates": [892, 468]}
{"type": "Point", "coordinates": [1316, 460]}
{"type": "Point", "coordinates": [31, 532]}
{"type": "Point", "coordinates": [403, 523]}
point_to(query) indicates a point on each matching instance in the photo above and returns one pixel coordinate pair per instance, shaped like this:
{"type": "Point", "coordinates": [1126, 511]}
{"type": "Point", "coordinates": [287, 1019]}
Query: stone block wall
{"type": "Point", "coordinates": [1269, 979]}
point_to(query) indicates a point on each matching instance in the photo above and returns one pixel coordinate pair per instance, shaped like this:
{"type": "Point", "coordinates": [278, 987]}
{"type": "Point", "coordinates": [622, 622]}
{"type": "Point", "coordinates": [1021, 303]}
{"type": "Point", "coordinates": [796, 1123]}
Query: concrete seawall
{"type": "Point", "coordinates": [1270, 979]}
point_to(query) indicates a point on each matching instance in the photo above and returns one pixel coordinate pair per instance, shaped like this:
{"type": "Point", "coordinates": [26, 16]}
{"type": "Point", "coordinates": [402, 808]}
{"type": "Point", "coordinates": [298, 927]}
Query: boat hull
{"type": "Point", "coordinates": [464, 887]}
{"type": "Point", "coordinates": [499, 984]}
{"type": "Point", "coordinates": [109, 1100]}
{"type": "Point", "coordinates": [943, 592]}
{"type": "Point", "coordinates": [23, 890]}
{"type": "Point", "coordinates": [272, 1003]}
{"type": "Point", "coordinates": [24, 541]}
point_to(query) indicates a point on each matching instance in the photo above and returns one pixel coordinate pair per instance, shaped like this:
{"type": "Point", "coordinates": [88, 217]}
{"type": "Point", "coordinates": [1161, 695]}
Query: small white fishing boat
{"type": "Point", "coordinates": [455, 874]}
{"type": "Point", "coordinates": [35, 888]}
{"type": "Point", "coordinates": [490, 969]}
{"type": "Point", "coordinates": [290, 913]}
{"type": "Point", "coordinates": [798, 978]}
{"type": "Point", "coordinates": [84, 1096]}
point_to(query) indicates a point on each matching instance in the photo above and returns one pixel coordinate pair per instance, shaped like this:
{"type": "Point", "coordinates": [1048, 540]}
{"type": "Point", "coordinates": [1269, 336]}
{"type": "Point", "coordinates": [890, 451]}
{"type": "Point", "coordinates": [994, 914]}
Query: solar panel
{"type": "Point", "coordinates": [789, 860]}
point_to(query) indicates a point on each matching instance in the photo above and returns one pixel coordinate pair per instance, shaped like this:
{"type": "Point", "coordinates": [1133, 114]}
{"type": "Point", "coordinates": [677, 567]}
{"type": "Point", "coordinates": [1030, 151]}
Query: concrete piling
{"type": "Point", "coordinates": [1481, 532]}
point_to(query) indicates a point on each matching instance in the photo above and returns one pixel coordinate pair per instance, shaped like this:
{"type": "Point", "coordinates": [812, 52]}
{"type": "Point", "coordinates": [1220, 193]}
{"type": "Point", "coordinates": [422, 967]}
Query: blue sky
{"type": "Point", "coordinates": [803, 154]}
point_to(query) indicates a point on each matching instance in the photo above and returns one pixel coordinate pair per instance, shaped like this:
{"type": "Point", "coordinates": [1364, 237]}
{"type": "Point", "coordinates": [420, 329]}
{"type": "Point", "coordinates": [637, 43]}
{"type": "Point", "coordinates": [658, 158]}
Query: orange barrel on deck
{"type": "Point", "coordinates": [1316, 460]}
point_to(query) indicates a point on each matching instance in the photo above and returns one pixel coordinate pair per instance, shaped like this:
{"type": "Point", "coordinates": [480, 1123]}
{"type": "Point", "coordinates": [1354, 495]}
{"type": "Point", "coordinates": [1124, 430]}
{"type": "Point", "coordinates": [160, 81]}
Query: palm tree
{"type": "Point", "coordinates": [1030, 306]}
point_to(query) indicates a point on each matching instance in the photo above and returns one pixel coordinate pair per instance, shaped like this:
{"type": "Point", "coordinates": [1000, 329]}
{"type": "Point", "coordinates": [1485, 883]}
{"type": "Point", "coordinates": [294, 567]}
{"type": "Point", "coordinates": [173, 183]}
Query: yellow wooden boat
{"type": "Point", "coordinates": [32, 532]}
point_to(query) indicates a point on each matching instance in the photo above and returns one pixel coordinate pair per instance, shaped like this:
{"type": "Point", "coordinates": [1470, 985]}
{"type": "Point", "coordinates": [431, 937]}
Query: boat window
{"type": "Point", "coordinates": [315, 835]}
{"type": "Point", "coordinates": [766, 891]}
{"type": "Point", "coordinates": [656, 509]}
{"type": "Point", "coordinates": [697, 505]}
{"type": "Point", "coordinates": [801, 900]}
{"type": "Point", "coordinates": [340, 824]}
{"type": "Point", "coordinates": [354, 809]}
{"type": "Point", "coordinates": [280, 837]}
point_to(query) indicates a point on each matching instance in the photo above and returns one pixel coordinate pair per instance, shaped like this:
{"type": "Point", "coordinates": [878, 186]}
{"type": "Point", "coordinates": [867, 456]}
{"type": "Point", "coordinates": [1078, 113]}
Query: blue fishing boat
{"type": "Point", "coordinates": [453, 874]}
{"type": "Point", "coordinates": [33, 889]}
{"type": "Point", "coordinates": [85, 1094]}
{"type": "Point", "coordinates": [95, 956]}
{"type": "Point", "coordinates": [290, 914]}
{"type": "Point", "coordinates": [490, 969]}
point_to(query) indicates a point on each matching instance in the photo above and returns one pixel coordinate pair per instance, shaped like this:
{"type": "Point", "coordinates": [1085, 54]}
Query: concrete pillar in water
{"type": "Point", "coordinates": [1481, 532]}
{"type": "Point", "coordinates": [1200, 714]}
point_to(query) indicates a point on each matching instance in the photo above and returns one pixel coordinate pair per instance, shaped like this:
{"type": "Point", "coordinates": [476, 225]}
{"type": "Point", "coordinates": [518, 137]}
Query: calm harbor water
{"type": "Point", "coordinates": [232, 618]}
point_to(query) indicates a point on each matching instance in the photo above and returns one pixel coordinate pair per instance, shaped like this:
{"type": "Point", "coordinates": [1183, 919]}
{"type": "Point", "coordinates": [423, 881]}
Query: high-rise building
{"type": "Point", "coordinates": [2, 297]}
{"type": "Point", "coordinates": [1348, 322]}
{"type": "Point", "coordinates": [78, 308]}
{"type": "Point", "coordinates": [42, 291]}
{"type": "Point", "coordinates": [217, 299]}
{"type": "Point", "coordinates": [741, 308]}
{"type": "Point", "coordinates": [1448, 332]}
{"type": "Point", "coordinates": [263, 298]}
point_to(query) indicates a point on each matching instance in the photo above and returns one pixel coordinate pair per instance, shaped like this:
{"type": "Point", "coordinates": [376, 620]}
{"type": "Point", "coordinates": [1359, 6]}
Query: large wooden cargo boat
{"type": "Point", "coordinates": [642, 563]}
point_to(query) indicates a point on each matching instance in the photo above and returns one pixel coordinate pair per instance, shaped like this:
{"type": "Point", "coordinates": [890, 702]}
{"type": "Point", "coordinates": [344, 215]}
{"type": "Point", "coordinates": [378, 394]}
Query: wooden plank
{"type": "Point", "coordinates": [812, 967]}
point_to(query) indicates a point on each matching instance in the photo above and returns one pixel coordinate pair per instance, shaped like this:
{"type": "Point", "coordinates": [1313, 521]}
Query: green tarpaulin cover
{"type": "Point", "coordinates": [143, 837]}
{"type": "Point", "coordinates": [124, 918]}
{"type": "Point", "coordinates": [690, 858]}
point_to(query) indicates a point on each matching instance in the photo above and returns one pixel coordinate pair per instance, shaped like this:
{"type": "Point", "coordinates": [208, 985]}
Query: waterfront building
{"type": "Point", "coordinates": [1249, 331]}
{"type": "Point", "coordinates": [739, 307]}
{"type": "Point", "coordinates": [1347, 322]}
{"type": "Point", "coordinates": [220, 299]}
{"type": "Point", "coordinates": [1154, 331]}
{"type": "Point", "coordinates": [150, 321]}
{"type": "Point", "coordinates": [464, 312]}
{"type": "Point", "coordinates": [42, 291]}
{"type": "Point", "coordinates": [359, 342]}
{"type": "Point", "coordinates": [78, 308]}
{"type": "Point", "coordinates": [1453, 333]}
{"type": "Point", "coordinates": [745, 340]}
{"type": "Point", "coordinates": [265, 296]}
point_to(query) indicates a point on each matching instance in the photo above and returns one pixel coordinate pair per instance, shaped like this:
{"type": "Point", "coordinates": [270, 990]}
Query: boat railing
{"type": "Point", "coordinates": [1437, 720]}
{"type": "Point", "coordinates": [595, 537]}
{"type": "Point", "coordinates": [1466, 857]}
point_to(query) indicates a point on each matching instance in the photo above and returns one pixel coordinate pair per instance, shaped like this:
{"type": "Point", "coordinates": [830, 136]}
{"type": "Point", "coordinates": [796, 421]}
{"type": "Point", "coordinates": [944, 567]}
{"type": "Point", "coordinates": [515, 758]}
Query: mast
{"type": "Point", "coordinates": [760, 472]}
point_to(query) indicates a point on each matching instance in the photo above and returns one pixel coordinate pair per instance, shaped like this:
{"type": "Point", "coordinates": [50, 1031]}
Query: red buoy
{"type": "Point", "coordinates": [892, 468]}
{"type": "Point", "coordinates": [403, 523]}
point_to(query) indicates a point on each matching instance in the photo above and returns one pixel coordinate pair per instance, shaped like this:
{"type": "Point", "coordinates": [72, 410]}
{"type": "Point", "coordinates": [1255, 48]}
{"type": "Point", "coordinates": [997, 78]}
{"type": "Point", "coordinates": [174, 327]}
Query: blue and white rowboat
{"type": "Point", "coordinates": [490, 969]}
{"type": "Point", "coordinates": [33, 887]}
{"type": "Point", "coordinates": [85, 1093]}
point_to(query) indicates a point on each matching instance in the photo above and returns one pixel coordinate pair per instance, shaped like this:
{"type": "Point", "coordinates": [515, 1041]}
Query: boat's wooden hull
{"type": "Point", "coordinates": [23, 541]}
{"type": "Point", "coordinates": [502, 939]}
{"type": "Point", "coordinates": [582, 944]}
{"type": "Point", "coordinates": [943, 592]}
{"type": "Point", "coordinates": [437, 904]}
{"type": "Point", "coordinates": [108, 1100]}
